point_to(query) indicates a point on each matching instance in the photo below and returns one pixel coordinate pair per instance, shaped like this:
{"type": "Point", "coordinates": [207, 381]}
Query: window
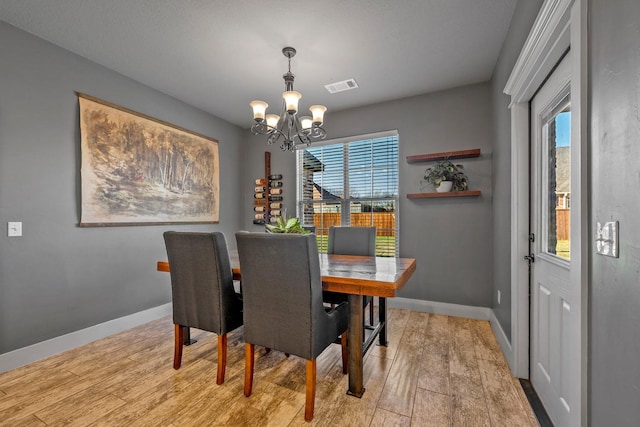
{"type": "Point", "coordinates": [557, 143]}
{"type": "Point", "coordinates": [351, 182]}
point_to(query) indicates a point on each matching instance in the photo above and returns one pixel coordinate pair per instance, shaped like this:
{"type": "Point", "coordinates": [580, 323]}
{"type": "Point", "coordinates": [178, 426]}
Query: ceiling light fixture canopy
{"type": "Point", "coordinates": [293, 129]}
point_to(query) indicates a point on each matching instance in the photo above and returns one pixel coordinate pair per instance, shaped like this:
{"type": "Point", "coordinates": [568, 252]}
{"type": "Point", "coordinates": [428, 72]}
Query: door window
{"type": "Point", "coordinates": [556, 187]}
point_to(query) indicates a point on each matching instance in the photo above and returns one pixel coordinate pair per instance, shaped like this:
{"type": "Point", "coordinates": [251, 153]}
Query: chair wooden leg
{"type": "Point", "coordinates": [177, 352]}
{"type": "Point", "coordinates": [311, 390]}
{"type": "Point", "coordinates": [222, 358]}
{"type": "Point", "coordinates": [249, 350]}
{"type": "Point", "coordinates": [343, 344]}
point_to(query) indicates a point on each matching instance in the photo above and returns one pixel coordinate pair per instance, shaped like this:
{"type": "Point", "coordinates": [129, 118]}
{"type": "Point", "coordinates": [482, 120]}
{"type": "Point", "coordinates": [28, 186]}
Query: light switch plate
{"type": "Point", "coordinates": [14, 229]}
{"type": "Point", "coordinates": [607, 238]}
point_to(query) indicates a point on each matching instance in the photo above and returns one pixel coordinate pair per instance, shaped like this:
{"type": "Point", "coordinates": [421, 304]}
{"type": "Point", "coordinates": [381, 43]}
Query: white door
{"type": "Point", "coordinates": [554, 309]}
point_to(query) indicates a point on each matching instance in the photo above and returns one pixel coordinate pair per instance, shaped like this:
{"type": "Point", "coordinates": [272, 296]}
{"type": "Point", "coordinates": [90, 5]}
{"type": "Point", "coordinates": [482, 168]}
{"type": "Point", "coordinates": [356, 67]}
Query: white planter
{"type": "Point", "coordinates": [444, 187]}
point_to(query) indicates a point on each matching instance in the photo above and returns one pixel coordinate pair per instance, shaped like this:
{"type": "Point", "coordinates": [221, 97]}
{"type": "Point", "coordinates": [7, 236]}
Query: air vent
{"type": "Point", "coordinates": [341, 86]}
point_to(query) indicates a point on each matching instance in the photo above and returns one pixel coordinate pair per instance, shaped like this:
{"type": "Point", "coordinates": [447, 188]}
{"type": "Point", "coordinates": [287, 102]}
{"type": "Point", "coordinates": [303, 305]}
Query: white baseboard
{"type": "Point", "coordinates": [44, 349]}
{"type": "Point", "coordinates": [468, 311]}
{"type": "Point", "coordinates": [503, 340]}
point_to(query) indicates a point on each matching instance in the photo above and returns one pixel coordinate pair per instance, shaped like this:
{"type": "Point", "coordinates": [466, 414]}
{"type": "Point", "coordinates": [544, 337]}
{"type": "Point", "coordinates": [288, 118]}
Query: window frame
{"type": "Point", "coordinates": [346, 202]}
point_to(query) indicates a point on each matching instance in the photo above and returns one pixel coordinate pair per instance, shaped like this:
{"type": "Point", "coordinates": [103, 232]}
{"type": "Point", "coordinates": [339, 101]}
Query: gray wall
{"type": "Point", "coordinates": [450, 238]}
{"type": "Point", "coordinates": [614, 319]}
{"type": "Point", "coordinates": [60, 278]}
{"type": "Point", "coordinates": [523, 18]}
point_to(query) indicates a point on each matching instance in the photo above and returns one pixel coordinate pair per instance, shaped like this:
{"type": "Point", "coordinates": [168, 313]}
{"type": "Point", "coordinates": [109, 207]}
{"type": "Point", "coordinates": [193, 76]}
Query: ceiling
{"type": "Point", "coordinates": [219, 55]}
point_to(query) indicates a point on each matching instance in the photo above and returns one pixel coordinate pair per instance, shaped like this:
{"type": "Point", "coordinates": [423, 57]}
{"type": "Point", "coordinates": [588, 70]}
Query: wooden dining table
{"type": "Point", "coordinates": [355, 276]}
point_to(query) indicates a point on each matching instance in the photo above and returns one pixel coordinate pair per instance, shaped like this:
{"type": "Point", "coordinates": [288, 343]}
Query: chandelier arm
{"type": "Point", "coordinates": [284, 124]}
{"type": "Point", "coordinates": [259, 128]}
{"type": "Point", "coordinates": [277, 132]}
{"type": "Point", "coordinates": [318, 132]}
{"type": "Point", "coordinates": [273, 134]}
{"type": "Point", "coordinates": [304, 138]}
{"type": "Point", "coordinates": [300, 133]}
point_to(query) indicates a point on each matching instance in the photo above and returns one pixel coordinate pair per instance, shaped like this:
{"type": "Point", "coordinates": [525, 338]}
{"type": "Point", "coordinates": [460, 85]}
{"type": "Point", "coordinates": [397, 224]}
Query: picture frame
{"type": "Point", "coordinates": [137, 170]}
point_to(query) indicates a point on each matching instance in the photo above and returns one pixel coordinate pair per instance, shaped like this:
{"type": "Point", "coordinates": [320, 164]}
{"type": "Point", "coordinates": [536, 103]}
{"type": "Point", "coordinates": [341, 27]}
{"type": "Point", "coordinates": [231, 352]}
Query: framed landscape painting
{"type": "Point", "coordinates": [137, 170]}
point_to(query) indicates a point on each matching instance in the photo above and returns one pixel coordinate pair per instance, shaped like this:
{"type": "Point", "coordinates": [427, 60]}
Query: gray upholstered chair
{"type": "Point", "coordinates": [283, 309]}
{"type": "Point", "coordinates": [202, 290]}
{"type": "Point", "coordinates": [351, 241]}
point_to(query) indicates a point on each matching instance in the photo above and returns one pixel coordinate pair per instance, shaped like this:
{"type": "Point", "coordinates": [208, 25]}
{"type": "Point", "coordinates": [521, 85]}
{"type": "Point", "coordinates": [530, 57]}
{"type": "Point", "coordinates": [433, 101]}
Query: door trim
{"type": "Point", "coordinates": [560, 25]}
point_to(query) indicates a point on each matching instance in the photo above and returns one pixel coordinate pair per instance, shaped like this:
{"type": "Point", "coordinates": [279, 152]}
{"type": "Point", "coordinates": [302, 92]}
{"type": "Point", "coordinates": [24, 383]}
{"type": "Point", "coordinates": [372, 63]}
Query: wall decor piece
{"type": "Point", "coordinates": [138, 170]}
{"type": "Point", "coordinates": [267, 195]}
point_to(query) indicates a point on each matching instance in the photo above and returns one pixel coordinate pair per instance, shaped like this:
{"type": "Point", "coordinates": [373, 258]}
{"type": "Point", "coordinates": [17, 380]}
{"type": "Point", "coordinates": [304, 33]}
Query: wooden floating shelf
{"type": "Point", "coordinates": [448, 155]}
{"type": "Point", "coordinates": [471, 193]}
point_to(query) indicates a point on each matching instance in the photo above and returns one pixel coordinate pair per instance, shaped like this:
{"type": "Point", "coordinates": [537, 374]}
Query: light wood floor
{"type": "Point", "coordinates": [436, 371]}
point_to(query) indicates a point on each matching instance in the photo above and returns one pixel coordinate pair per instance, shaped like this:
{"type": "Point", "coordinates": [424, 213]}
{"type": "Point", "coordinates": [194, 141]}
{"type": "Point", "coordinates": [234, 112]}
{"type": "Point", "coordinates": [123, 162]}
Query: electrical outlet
{"type": "Point", "coordinates": [498, 297]}
{"type": "Point", "coordinates": [607, 238]}
{"type": "Point", "coordinates": [14, 229]}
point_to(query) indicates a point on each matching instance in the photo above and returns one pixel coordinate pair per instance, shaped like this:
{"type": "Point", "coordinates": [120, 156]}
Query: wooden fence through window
{"type": "Point", "coordinates": [563, 223]}
{"type": "Point", "coordinates": [385, 222]}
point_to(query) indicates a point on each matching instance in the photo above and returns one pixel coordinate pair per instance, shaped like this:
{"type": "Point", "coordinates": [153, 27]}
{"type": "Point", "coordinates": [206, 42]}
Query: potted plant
{"type": "Point", "coordinates": [287, 225]}
{"type": "Point", "coordinates": [444, 171]}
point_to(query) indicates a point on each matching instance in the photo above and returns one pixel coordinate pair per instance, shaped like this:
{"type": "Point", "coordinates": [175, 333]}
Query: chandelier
{"type": "Point", "coordinates": [292, 129]}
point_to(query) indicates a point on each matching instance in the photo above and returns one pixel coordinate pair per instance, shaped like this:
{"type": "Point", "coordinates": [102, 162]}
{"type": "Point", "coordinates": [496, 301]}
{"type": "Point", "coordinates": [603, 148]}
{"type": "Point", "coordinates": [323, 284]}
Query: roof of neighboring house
{"type": "Point", "coordinates": [324, 194]}
{"type": "Point", "coordinates": [311, 163]}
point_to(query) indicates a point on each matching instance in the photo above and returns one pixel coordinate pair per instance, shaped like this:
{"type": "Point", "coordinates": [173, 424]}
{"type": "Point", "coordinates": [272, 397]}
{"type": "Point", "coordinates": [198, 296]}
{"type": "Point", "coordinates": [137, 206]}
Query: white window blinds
{"type": "Point", "coordinates": [351, 182]}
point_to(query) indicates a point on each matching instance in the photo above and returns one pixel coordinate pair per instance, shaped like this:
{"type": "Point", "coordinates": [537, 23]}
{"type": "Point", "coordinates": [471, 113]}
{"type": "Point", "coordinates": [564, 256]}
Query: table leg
{"type": "Point", "coordinates": [382, 316]}
{"type": "Point", "coordinates": [354, 344]}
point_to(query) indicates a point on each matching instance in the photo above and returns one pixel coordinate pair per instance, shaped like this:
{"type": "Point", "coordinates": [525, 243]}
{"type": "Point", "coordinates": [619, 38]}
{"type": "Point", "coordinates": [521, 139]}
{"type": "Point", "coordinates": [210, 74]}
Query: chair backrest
{"type": "Point", "coordinates": [282, 293]}
{"type": "Point", "coordinates": [310, 228]}
{"type": "Point", "coordinates": [202, 282]}
{"type": "Point", "coordinates": [352, 241]}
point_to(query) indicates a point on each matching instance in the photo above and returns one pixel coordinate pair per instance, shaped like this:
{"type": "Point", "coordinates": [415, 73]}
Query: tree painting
{"type": "Point", "coordinates": [136, 169]}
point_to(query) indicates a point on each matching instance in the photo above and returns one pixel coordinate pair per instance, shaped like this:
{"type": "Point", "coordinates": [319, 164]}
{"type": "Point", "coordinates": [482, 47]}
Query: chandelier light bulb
{"type": "Point", "coordinates": [259, 110]}
{"type": "Point", "coordinates": [272, 120]}
{"type": "Point", "coordinates": [318, 113]}
{"type": "Point", "coordinates": [291, 98]}
{"type": "Point", "coordinates": [306, 122]}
